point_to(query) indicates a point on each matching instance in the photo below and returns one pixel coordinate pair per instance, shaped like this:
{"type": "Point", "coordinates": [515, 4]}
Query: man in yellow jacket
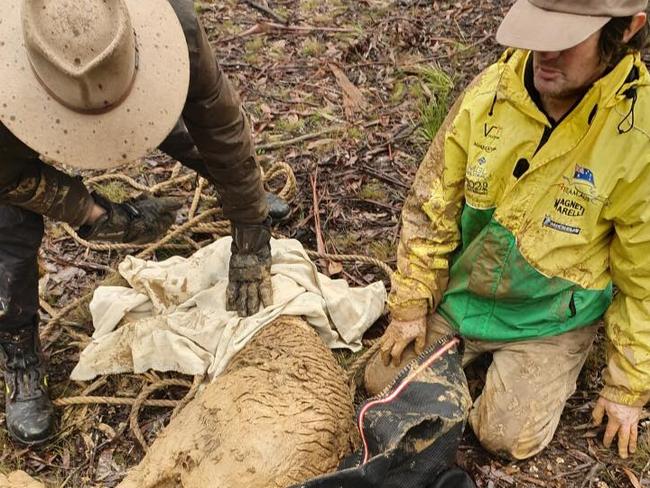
{"type": "Point", "coordinates": [532, 202]}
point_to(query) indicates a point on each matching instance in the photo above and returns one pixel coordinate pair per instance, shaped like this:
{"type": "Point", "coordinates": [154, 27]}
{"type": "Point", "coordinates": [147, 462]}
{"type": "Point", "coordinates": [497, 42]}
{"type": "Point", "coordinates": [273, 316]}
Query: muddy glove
{"type": "Point", "coordinates": [399, 335]}
{"type": "Point", "coordinates": [135, 221]}
{"type": "Point", "coordinates": [249, 277]}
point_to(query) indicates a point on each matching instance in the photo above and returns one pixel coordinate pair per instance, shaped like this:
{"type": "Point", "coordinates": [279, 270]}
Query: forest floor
{"type": "Point", "coordinates": [349, 94]}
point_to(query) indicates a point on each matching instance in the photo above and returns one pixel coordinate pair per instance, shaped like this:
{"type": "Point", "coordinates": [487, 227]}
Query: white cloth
{"type": "Point", "coordinates": [174, 318]}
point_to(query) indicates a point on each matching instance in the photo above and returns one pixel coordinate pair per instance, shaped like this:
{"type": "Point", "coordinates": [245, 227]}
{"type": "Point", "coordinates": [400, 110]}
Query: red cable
{"type": "Point", "coordinates": [411, 376]}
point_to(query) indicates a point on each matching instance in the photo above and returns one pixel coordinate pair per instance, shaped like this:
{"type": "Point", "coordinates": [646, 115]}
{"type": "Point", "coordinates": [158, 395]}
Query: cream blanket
{"type": "Point", "coordinates": [174, 318]}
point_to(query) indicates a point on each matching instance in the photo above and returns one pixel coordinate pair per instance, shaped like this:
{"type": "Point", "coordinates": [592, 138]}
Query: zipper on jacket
{"type": "Point", "coordinates": [572, 306]}
{"type": "Point", "coordinates": [545, 137]}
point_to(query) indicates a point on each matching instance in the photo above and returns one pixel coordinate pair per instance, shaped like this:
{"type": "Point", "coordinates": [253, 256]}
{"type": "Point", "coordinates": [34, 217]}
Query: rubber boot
{"type": "Point", "coordinates": [29, 411]}
{"type": "Point", "coordinates": [278, 208]}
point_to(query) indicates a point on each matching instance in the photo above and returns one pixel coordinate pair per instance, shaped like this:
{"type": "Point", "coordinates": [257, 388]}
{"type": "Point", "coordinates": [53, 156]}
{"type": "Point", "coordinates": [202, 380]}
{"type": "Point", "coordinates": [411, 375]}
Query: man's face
{"type": "Point", "coordinates": [565, 74]}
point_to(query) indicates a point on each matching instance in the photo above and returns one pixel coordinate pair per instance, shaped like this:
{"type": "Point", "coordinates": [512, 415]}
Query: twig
{"type": "Point", "coordinates": [320, 243]}
{"type": "Point", "coordinates": [532, 480]}
{"type": "Point", "coordinates": [577, 469]}
{"type": "Point", "coordinates": [375, 203]}
{"type": "Point", "coordinates": [384, 177]}
{"type": "Point", "coordinates": [592, 474]}
{"type": "Point", "coordinates": [302, 28]}
{"type": "Point", "coordinates": [264, 27]}
{"type": "Point", "coordinates": [306, 137]}
{"type": "Point", "coordinates": [266, 10]}
{"type": "Point", "coordinates": [313, 135]}
{"type": "Point", "coordinates": [643, 472]}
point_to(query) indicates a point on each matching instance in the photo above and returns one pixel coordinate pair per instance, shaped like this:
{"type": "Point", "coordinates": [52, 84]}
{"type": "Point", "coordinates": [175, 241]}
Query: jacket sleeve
{"type": "Point", "coordinates": [430, 221]}
{"type": "Point", "coordinates": [27, 182]}
{"type": "Point", "coordinates": [221, 131]}
{"type": "Point", "coordinates": [627, 321]}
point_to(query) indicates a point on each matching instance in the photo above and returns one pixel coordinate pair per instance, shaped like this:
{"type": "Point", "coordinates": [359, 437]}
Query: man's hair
{"type": "Point", "coordinates": [611, 45]}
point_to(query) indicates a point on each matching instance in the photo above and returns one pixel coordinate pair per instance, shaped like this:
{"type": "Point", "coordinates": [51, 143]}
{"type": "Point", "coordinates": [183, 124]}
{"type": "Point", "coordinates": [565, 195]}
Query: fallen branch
{"type": "Point", "coordinates": [265, 27]}
{"type": "Point", "coordinates": [313, 135]}
{"type": "Point", "coordinates": [266, 10]}
{"type": "Point", "coordinates": [306, 137]}
{"type": "Point", "coordinates": [330, 267]}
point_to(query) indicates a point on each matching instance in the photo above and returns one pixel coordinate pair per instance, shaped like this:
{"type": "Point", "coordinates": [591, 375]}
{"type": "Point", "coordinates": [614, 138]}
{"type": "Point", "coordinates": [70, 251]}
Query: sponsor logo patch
{"type": "Point", "coordinates": [476, 171]}
{"type": "Point", "coordinates": [568, 207]}
{"type": "Point", "coordinates": [568, 229]}
{"type": "Point", "coordinates": [479, 187]}
{"type": "Point", "coordinates": [492, 131]}
{"type": "Point", "coordinates": [584, 174]}
{"type": "Point", "coordinates": [485, 147]}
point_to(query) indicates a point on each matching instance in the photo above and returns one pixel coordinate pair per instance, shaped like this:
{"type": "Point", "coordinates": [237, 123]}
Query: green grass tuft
{"type": "Point", "coordinates": [437, 87]}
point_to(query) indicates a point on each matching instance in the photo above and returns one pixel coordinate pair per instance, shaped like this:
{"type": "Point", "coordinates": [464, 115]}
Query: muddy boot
{"type": "Point", "coordinates": [29, 411]}
{"type": "Point", "coordinates": [278, 208]}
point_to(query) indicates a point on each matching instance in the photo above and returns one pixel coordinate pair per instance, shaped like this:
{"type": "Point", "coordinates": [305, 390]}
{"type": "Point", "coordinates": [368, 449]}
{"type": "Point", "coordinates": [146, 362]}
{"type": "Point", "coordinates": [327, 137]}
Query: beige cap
{"type": "Point", "coordinates": [555, 25]}
{"type": "Point", "coordinates": [92, 84]}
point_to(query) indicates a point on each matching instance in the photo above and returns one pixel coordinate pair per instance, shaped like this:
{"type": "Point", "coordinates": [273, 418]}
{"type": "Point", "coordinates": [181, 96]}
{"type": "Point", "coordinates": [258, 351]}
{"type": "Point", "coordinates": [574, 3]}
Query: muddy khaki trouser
{"type": "Point", "coordinates": [526, 387]}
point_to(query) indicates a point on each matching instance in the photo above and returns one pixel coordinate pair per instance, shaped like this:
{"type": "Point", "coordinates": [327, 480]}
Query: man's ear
{"type": "Point", "coordinates": [637, 22]}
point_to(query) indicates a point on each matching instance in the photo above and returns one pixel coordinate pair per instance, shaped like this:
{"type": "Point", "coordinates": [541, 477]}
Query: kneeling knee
{"type": "Point", "coordinates": [510, 439]}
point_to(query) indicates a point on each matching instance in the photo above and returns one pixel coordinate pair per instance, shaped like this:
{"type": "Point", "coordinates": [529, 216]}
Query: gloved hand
{"type": "Point", "coordinates": [249, 277]}
{"type": "Point", "coordinates": [622, 420]}
{"type": "Point", "coordinates": [400, 334]}
{"type": "Point", "coordinates": [135, 221]}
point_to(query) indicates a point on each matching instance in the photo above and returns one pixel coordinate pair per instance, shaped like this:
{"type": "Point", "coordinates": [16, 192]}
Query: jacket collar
{"type": "Point", "coordinates": [629, 73]}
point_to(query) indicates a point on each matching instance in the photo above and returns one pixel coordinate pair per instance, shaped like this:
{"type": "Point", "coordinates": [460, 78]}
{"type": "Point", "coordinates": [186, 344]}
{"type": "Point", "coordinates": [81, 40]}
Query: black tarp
{"type": "Point", "coordinates": [412, 430]}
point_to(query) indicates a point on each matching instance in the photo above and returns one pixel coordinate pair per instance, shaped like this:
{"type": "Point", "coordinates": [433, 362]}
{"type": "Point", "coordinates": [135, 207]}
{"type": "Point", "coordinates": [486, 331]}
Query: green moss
{"type": "Point", "coordinates": [253, 48]}
{"type": "Point", "coordinates": [312, 47]}
{"type": "Point", "coordinates": [384, 250]}
{"type": "Point", "coordinates": [116, 191]}
{"type": "Point", "coordinates": [399, 90]}
{"type": "Point", "coordinates": [462, 50]}
{"type": "Point", "coordinates": [373, 190]}
{"type": "Point", "coordinates": [308, 7]}
{"type": "Point", "coordinates": [347, 242]}
{"type": "Point", "coordinates": [355, 133]}
{"type": "Point", "coordinates": [290, 125]}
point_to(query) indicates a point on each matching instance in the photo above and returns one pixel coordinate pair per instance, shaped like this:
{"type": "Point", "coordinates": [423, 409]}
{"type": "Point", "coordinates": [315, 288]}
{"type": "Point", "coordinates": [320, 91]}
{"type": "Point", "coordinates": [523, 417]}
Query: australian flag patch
{"type": "Point", "coordinates": [584, 174]}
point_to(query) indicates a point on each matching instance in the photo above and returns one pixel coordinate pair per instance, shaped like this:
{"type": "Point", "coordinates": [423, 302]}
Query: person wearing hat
{"type": "Point", "coordinates": [530, 206]}
{"type": "Point", "coordinates": [96, 86]}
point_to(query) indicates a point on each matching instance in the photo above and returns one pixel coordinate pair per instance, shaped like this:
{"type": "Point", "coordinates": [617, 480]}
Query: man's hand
{"type": "Point", "coordinates": [400, 334]}
{"type": "Point", "coordinates": [137, 221]}
{"type": "Point", "coordinates": [622, 420]}
{"type": "Point", "coordinates": [249, 276]}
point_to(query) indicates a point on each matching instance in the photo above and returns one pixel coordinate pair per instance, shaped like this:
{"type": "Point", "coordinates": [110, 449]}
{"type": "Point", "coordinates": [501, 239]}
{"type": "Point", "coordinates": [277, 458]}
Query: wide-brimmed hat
{"type": "Point", "coordinates": [555, 25]}
{"type": "Point", "coordinates": [92, 83]}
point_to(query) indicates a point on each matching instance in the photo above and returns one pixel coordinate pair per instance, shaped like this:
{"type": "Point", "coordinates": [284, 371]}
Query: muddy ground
{"type": "Point", "coordinates": [296, 64]}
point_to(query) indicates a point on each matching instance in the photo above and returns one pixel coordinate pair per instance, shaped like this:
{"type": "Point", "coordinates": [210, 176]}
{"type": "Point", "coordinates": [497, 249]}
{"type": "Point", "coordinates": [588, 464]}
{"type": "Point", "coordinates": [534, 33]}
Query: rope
{"type": "Point", "coordinates": [196, 224]}
{"type": "Point", "coordinates": [197, 198]}
{"type": "Point", "coordinates": [174, 181]}
{"type": "Point", "coordinates": [140, 400]}
{"type": "Point", "coordinates": [289, 190]}
{"type": "Point", "coordinates": [388, 271]}
{"type": "Point", "coordinates": [359, 365]}
{"type": "Point", "coordinates": [108, 400]}
{"type": "Point", "coordinates": [196, 384]}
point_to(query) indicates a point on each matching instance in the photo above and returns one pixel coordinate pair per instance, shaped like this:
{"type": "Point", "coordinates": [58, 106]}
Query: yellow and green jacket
{"type": "Point", "coordinates": [516, 228]}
